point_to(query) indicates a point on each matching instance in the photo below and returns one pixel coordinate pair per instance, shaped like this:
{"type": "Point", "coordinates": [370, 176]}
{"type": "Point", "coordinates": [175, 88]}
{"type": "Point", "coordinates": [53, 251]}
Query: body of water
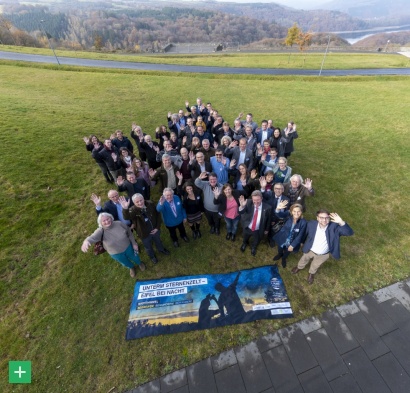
{"type": "Point", "coordinates": [354, 36]}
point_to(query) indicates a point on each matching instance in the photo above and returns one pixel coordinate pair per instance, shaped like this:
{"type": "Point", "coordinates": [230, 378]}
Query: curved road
{"type": "Point", "coordinates": [195, 69]}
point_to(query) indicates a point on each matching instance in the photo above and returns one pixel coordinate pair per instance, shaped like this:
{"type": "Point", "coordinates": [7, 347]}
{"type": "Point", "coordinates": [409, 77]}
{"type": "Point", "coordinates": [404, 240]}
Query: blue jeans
{"type": "Point", "coordinates": [232, 224]}
{"type": "Point", "coordinates": [128, 258]}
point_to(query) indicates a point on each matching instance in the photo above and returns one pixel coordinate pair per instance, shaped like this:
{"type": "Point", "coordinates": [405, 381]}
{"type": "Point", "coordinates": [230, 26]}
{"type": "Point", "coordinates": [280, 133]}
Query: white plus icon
{"type": "Point", "coordinates": [19, 372]}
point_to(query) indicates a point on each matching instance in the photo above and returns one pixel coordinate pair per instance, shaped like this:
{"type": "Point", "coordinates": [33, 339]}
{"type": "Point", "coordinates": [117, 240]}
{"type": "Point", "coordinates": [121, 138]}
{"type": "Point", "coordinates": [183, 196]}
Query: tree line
{"type": "Point", "coordinates": [127, 30]}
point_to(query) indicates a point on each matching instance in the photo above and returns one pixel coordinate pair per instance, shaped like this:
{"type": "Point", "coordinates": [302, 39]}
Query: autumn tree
{"type": "Point", "coordinates": [98, 41]}
{"type": "Point", "coordinates": [292, 37]}
{"type": "Point", "coordinates": [6, 24]}
{"type": "Point", "coordinates": [303, 41]}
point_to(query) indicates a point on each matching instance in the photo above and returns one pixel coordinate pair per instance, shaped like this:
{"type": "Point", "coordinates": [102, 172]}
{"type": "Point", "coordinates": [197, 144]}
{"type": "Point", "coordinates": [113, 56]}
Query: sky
{"type": "Point", "coordinates": [299, 4]}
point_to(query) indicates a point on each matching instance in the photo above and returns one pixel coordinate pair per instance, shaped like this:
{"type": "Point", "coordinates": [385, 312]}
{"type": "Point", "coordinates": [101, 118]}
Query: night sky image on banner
{"type": "Point", "coordinates": [181, 304]}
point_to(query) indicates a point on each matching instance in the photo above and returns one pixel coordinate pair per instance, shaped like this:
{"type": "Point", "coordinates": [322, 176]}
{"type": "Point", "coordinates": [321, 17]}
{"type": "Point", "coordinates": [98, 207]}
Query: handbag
{"type": "Point", "coordinates": [99, 247]}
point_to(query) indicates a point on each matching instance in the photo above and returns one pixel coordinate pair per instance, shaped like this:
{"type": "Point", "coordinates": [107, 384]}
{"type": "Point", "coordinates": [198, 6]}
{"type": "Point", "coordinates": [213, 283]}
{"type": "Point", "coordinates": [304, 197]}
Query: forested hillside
{"type": "Point", "coordinates": [128, 29]}
{"type": "Point", "coordinates": [313, 20]}
{"type": "Point", "coordinates": [136, 25]}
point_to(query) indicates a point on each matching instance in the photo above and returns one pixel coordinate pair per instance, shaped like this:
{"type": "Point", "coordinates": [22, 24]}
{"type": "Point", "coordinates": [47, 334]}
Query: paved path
{"type": "Point", "coordinates": [360, 347]}
{"type": "Point", "coordinates": [195, 69]}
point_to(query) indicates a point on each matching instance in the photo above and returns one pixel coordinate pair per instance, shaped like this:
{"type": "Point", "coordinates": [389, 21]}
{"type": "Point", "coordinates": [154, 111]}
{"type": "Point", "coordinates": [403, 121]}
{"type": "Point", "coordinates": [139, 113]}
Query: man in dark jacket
{"type": "Point", "coordinates": [122, 141]}
{"type": "Point", "coordinates": [322, 240]}
{"type": "Point", "coordinates": [133, 185]}
{"type": "Point", "coordinates": [199, 165]}
{"type": "Point", "coordinates": [166, 175]}
{"type": "Point", "coordinates": [256, 219]}
{"type": "Point", "coordinates": [147, 222]}
{"type": "Point", "coordinates": [240, 154]}
{"type": "Point", "coordinates": [297, 191]}
{"type": "Point", "coordinates": [111, 156]}
{"type": "Point", "coordinates": [151, 150]}
{"type": "Point", "coordinates": [273, 199]}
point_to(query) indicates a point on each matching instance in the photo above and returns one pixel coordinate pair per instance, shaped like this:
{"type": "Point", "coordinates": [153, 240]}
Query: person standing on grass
{"type": "Point", "coordinates": [118, 240]}
{"type": "Point", "coordinates": [151, 150]}
{"type": "Point", "coordinates": [221, 166]}
{"type": "Point", "coordinates": [228, 206]}
{"type": "Point", "coordinates": [211, 210]}
{"type": "Point", "coordinates": [288, 135]}
{"type": "Point", "coordinates": [255, 220]}
{"type": "Point", "coordinates": [138, 136]}
{"type": "Point", "coordinates": [292, 233]}
{"type": "Point", "coordinates": [297, 191]}
{"type": "Point", "coordinates": [194, 206]}
{"type": "Point", "coordinates": [92, 143]}
{"type": "Point", "coordinates": [111, 156]}
{"type": "Point", "coordinates": [322, 240]}
{"type": "Point", "coordinates": [173, 215]}
{"type": "Point", "coordinates": [147, 222]}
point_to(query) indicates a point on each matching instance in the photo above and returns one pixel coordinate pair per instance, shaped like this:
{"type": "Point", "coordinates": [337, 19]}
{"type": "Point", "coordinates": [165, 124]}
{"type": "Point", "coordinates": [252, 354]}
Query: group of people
{"type": "Point", "coordinates": [201, 165]}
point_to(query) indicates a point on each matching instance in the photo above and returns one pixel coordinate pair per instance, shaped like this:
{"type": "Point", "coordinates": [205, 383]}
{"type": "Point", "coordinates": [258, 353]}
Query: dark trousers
{"type": "Point", "coordinates": [117, 172]}
{"type": "Point", "coordinates": [283, 251]}
{"type": "Point", "coordinates": [105, 171]}
{"type": "Point", "coordinates": [147, 242]}
{"type": "Point", "coordinates": [214, 219]}
{"type": "Point", "coordinates": [248, 233]}
{"type": "Point", "coordinates": [173, 231]}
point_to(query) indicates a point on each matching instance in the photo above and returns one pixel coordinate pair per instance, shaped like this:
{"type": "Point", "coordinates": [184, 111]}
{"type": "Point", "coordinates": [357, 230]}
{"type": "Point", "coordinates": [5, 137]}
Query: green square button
{"type": "Point", "coordinates": [20, 372]}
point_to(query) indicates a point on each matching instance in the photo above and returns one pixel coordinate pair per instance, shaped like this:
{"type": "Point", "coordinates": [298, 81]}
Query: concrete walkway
{"type": "Point", "coordinates": [360, 347]}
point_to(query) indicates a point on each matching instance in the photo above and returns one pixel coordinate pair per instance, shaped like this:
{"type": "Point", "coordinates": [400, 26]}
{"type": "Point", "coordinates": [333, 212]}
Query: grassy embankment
{"type": "Point", "coordinates": [67, 311]}
{"type": "Point", "coordinates": [297, 60]}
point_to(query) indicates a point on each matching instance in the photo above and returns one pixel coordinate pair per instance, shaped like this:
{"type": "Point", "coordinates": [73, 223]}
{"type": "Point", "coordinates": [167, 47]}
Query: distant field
{"type": "Point", "coordinates": [308, 60]}
{"type": "Point", "coordinates": [67, 311]}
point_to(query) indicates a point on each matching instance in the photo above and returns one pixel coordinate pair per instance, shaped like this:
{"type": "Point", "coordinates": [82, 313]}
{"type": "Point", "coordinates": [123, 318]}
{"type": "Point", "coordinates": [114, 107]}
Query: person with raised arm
{"type": "Point", "coordinates": [322, 241]}
{"type": "Point", "coordinates": [147, 222]}
{"type": "Point", "coordinates": [255, 219]}
{"type": "Point", "coordinates": [297, 190]}
{"type": "Point", "coordinates": [117, 240]}
{"type": "Point", "coordinates": [173, 215]}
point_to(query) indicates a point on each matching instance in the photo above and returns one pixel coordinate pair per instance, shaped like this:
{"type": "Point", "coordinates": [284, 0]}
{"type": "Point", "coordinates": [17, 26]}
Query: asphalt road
{"type": "Point", "coordinates": [195, 69]}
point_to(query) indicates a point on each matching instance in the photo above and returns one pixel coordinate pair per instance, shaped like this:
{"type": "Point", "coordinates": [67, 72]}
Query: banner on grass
{"type": "Point", "coordinates": [181, 304]}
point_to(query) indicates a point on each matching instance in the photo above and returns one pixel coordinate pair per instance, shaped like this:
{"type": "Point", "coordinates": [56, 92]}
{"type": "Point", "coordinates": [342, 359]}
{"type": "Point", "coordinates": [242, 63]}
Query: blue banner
{"type": "Point", "coordinates": [182, 304]}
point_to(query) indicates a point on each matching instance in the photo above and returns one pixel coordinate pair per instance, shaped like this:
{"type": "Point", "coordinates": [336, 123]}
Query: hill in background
{"type": "Point", "coordinates": [149, 26]}
{"type": "Point", "coordinates": [371, 9]}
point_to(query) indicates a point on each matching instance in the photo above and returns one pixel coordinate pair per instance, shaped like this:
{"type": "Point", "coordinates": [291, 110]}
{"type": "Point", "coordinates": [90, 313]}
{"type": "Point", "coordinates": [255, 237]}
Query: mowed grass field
{"type": "Point", "coordinates": [310, 59]}
{"type": "Point", "coordinates": [67, 311]}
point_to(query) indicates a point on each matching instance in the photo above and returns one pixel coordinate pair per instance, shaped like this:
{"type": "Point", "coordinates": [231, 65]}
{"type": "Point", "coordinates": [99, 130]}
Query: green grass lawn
{"type": "Point", "coordinates": [67, 311]}
{"type": "Point", "coordinates": [296, 60]}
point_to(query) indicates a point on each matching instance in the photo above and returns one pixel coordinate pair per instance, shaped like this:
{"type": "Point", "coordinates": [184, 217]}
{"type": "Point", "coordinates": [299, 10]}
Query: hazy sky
{"type": "Point", "coordinates": [300, 4]}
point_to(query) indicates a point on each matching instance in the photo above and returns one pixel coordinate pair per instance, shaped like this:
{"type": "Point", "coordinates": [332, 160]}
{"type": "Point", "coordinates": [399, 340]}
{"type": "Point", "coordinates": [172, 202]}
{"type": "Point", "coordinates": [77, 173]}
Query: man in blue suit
{"type": "Point", "coordinates": [113, 206]}
{"type": "Point", "coordinates": [264, 133]}
{"type": "Point", "coordinates": [322, 240]}
{"type": "Point", "coordinates": [173, 215]}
